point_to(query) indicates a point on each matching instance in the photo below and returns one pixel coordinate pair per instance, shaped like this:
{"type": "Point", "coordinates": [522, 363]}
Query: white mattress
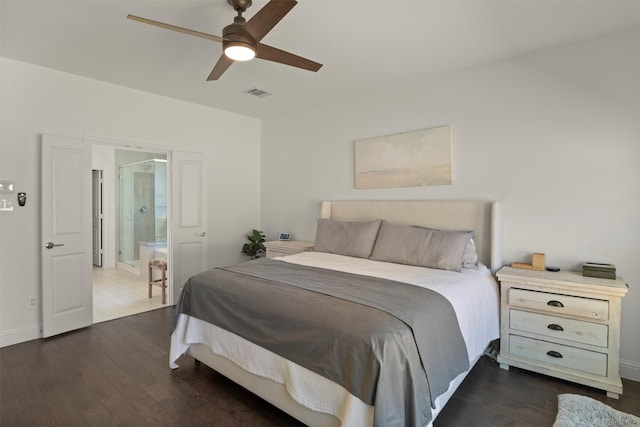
{"type": "Point", "coordinates": [473, 293]}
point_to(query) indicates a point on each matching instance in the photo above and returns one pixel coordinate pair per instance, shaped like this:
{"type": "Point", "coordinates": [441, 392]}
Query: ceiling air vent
{"type": "Point", "coordinates": [257, 92]}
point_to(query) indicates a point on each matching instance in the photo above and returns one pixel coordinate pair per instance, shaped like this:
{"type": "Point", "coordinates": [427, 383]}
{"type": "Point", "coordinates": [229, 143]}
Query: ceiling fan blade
{"type": "Point", "coordinates": [276, 55]}
{"type": "Point", "coordinates": [176, 28]}
{"type": "Point", "coordinates": [267, 17]}
{"type": "Point", "coordinates": [221, 66]}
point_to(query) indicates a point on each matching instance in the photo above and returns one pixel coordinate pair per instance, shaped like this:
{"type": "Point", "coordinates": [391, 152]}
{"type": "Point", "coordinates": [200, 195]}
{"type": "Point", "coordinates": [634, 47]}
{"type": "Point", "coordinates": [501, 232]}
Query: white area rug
{"type": "Point", "coordinates": [581, 411]}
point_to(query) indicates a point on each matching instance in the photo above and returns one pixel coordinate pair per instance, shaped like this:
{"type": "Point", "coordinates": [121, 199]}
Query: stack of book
{"type": "Point", "coordinates": [602, 271]}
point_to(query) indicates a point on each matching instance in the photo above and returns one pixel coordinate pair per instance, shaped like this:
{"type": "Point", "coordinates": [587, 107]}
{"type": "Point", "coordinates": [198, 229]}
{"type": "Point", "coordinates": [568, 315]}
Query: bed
{"type": "Point", "coordinates": [317, 392]}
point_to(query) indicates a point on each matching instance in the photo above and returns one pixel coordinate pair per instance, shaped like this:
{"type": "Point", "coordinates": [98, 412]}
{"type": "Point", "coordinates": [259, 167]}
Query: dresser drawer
{"type": "Point", "coordinates": [559, 355]}
{"type": "Point", "coordinates": [560, 304]}
{"type": "Point", "coordinates": [559, 327]}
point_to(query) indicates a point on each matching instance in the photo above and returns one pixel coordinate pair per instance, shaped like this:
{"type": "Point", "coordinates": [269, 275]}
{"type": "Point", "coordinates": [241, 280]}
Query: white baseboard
{"type": "Point", "coordinates": [630, 370]}
{"type": "Point", "coordinates": [16, 336]}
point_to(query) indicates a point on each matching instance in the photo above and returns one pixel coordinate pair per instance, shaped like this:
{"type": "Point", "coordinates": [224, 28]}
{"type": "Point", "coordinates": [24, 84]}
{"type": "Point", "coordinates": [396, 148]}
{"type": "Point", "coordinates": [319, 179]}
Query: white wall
{"type": "Point", "coordinates": [37, 100]}
{"type": "Point", "coordinates": [554, 135]}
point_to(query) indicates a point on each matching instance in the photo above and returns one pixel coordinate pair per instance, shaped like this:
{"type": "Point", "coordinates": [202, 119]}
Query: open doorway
{"type": "Point", "coordinates": [133, 201]}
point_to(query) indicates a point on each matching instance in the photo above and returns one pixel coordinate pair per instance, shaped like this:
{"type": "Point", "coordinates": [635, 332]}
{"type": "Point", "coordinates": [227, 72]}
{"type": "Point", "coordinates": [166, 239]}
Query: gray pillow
{"type": "Point", "coordinates": [346, 238]}
{"type": "Point", "coordinates": [425, 247]}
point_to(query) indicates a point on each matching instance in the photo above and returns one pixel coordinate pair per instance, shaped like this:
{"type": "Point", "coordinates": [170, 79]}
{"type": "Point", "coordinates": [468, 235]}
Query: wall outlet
{"type": "Point", "coordinates": [33, 302]}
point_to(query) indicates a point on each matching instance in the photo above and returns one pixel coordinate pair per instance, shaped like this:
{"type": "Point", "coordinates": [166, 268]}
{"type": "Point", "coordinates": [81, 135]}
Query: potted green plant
{"type": "Point", "coordinates": [255, 247]}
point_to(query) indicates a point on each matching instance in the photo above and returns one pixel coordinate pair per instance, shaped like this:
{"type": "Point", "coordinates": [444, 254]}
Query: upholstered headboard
{"type": "Point", "coordinates": [483, 217]}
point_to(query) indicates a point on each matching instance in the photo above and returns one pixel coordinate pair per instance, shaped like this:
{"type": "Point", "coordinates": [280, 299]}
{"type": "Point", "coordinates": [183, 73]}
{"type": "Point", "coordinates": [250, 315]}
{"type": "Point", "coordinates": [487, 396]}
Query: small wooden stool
{"type": "Point", "coordinates": [161, 265]}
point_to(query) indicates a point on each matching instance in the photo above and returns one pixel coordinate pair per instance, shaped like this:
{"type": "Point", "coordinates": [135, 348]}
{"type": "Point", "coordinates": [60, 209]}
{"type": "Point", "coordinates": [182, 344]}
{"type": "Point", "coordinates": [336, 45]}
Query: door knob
{"type": "Point", "coordinates": [50, 245]}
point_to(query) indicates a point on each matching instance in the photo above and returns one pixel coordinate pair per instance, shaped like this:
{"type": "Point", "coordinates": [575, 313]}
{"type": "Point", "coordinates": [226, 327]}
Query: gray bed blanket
{"type": "Point", "coordinates": [375, 337]}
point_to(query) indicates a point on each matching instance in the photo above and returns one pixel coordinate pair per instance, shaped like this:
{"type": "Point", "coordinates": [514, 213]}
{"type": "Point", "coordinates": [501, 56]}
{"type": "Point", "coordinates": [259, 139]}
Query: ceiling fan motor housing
{"type": "Point", "coordinates": [235, 34]}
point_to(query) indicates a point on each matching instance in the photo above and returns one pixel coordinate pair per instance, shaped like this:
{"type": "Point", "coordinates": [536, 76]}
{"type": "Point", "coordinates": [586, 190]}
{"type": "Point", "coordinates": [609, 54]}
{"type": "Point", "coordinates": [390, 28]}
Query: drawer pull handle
{"type": "Point", "coordinates": [555, 303]}
{"type": "Point", "coordinates": [554, 354]}
{"type": "Point", "coordinates": [555, 327]}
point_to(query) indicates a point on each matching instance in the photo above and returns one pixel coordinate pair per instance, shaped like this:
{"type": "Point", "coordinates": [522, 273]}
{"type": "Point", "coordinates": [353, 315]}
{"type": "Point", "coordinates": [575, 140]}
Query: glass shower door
{"type": "Point", "coordinates": [126, 225]}
{"type": "Point", "coordinates": [142, 208]}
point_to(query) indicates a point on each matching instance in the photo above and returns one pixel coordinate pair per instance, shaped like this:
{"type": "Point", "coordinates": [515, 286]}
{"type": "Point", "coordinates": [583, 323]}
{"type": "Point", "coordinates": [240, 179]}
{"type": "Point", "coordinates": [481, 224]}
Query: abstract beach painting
{"type": "Point", "coordinates": [411, 159]}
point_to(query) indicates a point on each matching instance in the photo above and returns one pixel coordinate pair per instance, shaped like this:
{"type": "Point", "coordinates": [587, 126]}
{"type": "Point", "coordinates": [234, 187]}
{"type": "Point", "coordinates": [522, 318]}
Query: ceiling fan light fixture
{"type": "Point", "coordinates": [239, 51]}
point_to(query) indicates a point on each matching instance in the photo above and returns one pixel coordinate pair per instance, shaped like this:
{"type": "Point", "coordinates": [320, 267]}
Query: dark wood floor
{"type": "Point", "coordinates": [116, 373]}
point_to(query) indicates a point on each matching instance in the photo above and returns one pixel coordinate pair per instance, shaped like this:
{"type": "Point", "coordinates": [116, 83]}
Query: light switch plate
{"type": "Point", "coordinates": [6, 186]}
{"type": "Point", "coordinates": [6, 205]}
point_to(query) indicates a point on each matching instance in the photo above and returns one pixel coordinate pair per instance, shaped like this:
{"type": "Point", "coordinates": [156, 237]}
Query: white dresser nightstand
{"type": "Point", "coordinates": [562, 324]}
{"type": "Point", "coordinates": [286, 247]}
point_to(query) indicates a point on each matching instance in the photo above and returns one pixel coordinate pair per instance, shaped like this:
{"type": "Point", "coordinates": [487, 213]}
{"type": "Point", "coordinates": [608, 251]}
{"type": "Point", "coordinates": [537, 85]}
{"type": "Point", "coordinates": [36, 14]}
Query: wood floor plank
{"type": "Point", "coordinates": [115, 404]}
{"type": "Point", "coordinates": [93, 366]}
{"type": "Point", "coordinates": [9, 404]}
{"type": "Point", "coordinates": [519, 398]}
{"type": "Point", "coordinates": [25, 383]}
{"type": "Point", "coordinates": [123, 352]}
{"type": "Point", "coordinates": [116, 373]}
{"type": "Point", "coordinates": [62, 407]}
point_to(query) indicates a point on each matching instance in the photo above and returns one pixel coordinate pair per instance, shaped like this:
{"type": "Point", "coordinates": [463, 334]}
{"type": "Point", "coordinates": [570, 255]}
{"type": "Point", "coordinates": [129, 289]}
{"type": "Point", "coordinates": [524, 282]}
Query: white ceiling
{"type": "Point", "coordinates": [364, 45]}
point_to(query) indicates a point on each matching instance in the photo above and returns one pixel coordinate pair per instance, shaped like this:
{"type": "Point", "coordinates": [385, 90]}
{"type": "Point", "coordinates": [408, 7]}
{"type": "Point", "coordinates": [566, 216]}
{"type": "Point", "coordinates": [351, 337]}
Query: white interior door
{"type": "Point", "coordinates": [67, 297]}
{"type": "Point", "coordinates": [188, 219]}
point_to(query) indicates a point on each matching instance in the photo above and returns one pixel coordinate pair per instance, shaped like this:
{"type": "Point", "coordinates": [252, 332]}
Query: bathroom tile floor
{"type": "Point", "coordinates": [118, 293]}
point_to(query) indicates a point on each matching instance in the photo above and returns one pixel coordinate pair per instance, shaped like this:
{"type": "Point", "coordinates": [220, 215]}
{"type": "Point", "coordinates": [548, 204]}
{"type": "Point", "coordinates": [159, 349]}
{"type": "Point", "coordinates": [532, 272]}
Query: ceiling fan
{"type": "Point", "coordinates": [241, 40]}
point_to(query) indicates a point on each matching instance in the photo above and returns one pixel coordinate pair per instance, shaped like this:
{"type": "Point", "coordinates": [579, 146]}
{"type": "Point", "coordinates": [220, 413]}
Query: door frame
{"type": "Point", "coordinates": [97, 215]}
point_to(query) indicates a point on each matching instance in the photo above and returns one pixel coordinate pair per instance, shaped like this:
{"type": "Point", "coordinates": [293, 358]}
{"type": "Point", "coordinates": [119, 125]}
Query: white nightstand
{"type": "Point", "coordinates": [562, 324]}
{"type": "Point", "coordinates": [286, 247]}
